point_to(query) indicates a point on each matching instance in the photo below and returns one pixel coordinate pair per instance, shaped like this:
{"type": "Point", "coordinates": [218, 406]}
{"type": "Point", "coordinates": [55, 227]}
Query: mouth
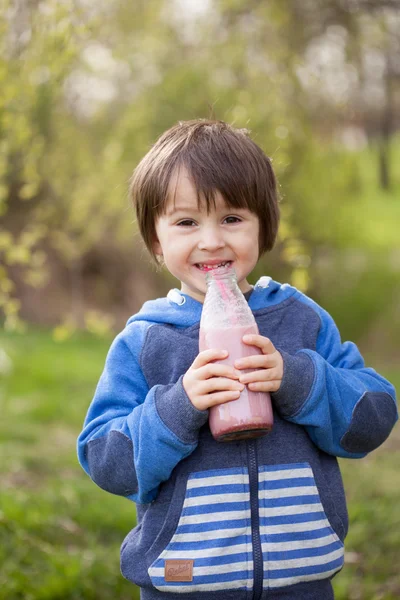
{"type": "Point", "coordinates": [211, 266]}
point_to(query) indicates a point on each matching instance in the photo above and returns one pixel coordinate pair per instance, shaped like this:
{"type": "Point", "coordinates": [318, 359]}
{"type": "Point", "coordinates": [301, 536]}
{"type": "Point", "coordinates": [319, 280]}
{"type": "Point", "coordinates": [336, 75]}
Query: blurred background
{"type": "Point", "coordinates": [85, 89]}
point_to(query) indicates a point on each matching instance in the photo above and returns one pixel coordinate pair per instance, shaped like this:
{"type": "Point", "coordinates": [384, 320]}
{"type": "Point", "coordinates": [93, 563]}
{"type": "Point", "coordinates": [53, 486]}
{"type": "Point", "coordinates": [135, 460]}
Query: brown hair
{"type": "Point", "coordinates": [218, 157]}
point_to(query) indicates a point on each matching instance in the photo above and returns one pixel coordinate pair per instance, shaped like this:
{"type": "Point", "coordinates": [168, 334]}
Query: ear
{"type": "Point", "coordinates": [157, 248]}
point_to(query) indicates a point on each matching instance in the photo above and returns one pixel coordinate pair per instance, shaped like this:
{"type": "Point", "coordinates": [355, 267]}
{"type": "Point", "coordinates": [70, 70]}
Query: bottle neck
{"type": "Point", "coordinates": [221, 277]}
{"type": "Point", "coordinates": [223, 286]}
{"type": "Point", "coordinates": [222, 282]}
{"type": "Point", "coordinates": [225, 305]}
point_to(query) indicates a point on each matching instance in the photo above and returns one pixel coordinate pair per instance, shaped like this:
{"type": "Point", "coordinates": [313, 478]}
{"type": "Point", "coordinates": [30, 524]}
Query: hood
{"type": "Point", "coordinates": [182, 310]}
{"type": "Point", "coordinates": [176, 309]}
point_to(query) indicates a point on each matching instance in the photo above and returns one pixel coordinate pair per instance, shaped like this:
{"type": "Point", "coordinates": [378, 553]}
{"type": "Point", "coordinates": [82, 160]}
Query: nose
{"type": "Point", "coordinates": [211, 239]}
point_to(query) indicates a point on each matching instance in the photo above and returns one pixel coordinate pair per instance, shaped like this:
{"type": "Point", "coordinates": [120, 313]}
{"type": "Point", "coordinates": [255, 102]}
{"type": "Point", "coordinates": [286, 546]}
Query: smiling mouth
{"type": "Point", "coordinates": [207, 267]}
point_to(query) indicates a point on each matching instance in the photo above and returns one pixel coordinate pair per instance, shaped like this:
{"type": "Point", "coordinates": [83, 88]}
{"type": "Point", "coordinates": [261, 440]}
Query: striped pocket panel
{"type": "Point", "coordinates": [214, 532]}
{"type": "Point", "coordinates": [298, 541]}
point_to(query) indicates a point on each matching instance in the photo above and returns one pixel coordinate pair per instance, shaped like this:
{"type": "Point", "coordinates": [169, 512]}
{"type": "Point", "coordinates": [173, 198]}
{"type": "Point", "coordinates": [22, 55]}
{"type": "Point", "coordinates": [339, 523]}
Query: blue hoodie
{"type": "Point", "coordinates": [252, 519]}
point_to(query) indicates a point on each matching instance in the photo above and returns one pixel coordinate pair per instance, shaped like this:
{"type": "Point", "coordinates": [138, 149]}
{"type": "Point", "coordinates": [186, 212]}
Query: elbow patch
{"type": "Point", "coordinates": [111, 466]}
{"type": "Point", "coordinates": [373, 418]}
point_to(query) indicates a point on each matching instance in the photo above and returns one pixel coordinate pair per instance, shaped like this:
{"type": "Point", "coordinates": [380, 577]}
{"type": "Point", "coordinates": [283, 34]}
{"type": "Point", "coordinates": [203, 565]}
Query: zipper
{"type": "Point", "coordinates": [258, 567]}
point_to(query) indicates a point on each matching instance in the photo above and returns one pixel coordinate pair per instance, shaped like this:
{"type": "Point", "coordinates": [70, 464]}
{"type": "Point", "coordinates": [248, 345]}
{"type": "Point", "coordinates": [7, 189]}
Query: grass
{"type": "Point", "coordinates": [60, 535]}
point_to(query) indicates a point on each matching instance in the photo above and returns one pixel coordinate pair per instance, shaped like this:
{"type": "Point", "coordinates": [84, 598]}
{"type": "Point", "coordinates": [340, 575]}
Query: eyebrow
{"type": "Point", "coordinates": [191, 209]}
{"type": "Point", "coordinates": [177, 209]}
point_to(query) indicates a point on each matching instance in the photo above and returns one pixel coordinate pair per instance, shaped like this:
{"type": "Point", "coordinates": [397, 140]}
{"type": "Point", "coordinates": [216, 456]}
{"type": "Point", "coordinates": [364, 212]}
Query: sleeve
{"type": "Point", "coordinates": [347, 409]}
{"type": "Point", "coordinates": [133, 436]}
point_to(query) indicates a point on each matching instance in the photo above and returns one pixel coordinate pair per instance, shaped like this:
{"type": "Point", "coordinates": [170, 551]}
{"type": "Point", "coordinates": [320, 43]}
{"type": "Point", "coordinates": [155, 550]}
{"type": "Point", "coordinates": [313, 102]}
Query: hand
{"type": "Point", "coordinates": [269, 365]}
{"type": "Point", "coordinates": [208, 383]}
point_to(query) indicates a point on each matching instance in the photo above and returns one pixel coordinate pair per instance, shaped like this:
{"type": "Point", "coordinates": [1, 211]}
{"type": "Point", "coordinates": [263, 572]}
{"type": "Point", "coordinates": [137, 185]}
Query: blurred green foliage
{"type": "Point", "coordinates": [86, 89]}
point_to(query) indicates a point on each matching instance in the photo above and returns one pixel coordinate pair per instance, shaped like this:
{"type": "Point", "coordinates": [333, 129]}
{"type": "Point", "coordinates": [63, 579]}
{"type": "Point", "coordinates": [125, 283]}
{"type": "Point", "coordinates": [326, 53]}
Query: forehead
{"type": "Point", "coordinates": [181, 186]}
{"type": "Point", "coordinates": [183, 195]}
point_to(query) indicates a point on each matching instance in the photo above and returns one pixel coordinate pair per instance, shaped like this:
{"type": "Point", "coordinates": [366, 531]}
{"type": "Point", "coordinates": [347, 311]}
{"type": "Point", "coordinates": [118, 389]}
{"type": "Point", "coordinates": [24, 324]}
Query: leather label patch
{"type": "Point", "coordinates": [178, 570]}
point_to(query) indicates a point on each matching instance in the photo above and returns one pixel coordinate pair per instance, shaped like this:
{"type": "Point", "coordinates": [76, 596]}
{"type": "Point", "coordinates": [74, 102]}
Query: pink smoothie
{"type": "Point", "coordinates": [251, 414]}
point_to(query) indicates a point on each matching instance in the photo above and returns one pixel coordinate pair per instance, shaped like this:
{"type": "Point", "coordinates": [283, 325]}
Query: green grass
{"type": "Point", "coordinates": [60, 535]}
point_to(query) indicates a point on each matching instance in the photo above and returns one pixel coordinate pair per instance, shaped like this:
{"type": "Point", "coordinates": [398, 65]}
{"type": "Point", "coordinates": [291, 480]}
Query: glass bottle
{"type": "Point", "coordinates": [226, 318]}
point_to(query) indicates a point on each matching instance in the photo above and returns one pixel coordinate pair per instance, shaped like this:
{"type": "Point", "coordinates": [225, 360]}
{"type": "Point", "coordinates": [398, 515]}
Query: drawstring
{"type": "Point", "coordinates": [264, 281]}
{"type": "Point", "coordinates": [175, 297]}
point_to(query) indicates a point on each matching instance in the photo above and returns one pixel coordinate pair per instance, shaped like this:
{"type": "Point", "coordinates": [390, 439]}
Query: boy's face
{"type": "Point", "coordinates": [191, 240]}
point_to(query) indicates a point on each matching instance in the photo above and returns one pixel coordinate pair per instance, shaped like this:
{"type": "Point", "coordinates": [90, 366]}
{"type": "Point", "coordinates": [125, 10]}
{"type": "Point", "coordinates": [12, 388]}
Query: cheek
{"type": "Point", "coordinates": [179, 245]}
{"type": "Point", "coordinates": [175, 252]}
{"type": "Point", "coordinates": [249, 242]}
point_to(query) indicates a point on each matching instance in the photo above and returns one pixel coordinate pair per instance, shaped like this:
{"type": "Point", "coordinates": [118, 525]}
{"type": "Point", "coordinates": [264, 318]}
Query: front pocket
{"type": "Point", "coordinates": [211, 547]}
{"type": "Point", "coordinates": [153, 532]}
{"type": "Point", "coordinates": [298, 541]}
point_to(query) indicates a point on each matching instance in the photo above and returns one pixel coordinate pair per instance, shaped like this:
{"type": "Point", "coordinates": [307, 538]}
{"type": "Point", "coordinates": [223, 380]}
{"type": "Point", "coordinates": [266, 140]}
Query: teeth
{"type": "Point", "coordinates": [206, 267]}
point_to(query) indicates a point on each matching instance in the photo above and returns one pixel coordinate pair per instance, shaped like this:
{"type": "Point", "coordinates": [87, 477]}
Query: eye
{"type": "Point", "coordinates": [186, 223]}
{"type": "Point", "coordinates": [231, 219]}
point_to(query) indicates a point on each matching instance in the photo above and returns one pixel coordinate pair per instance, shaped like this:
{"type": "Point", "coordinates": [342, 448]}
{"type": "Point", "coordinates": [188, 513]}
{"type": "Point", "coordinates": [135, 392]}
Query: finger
{"type": "Point", "coordinates": [218, 370]}
{"type": "Point", "coordinates": [206, 356]}
{"type": "Point", "coordinates": [265, 386]}
{"type": "Point", "coordinates": [256, 361]}
{"type": "Point", "coordinates": [261, 375]}
{"type": "Point", "coordinates": [220, 398]}
{"type": "Point", "coordinates": [220, 383]}
{"type": "Point", "coordinates": [265, 344]}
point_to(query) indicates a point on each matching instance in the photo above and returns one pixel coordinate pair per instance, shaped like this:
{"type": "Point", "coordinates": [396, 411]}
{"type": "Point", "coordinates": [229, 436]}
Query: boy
{"type": "Point", "coordinates": [263, 518]}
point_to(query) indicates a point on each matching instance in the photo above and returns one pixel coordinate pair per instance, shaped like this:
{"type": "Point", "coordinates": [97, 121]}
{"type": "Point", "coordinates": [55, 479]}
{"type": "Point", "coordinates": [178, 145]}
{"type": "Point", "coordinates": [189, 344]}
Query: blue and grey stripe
{"type": "Point", "coordinates": [214, 530]}
{"type": "Point", "coordinates": [298, 541]}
